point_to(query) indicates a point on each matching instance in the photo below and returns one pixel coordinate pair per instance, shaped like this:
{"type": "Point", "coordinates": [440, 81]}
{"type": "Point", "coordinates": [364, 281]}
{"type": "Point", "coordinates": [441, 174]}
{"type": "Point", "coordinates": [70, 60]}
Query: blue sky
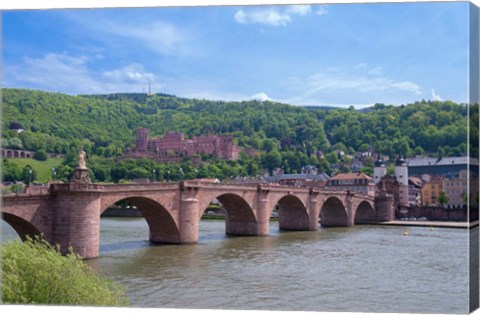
{"type": "Point", "coordinates": [337, 54]}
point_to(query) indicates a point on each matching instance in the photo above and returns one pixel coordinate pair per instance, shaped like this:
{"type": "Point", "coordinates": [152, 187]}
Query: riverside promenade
{"type": "Point", "coordinates": [440, 224]}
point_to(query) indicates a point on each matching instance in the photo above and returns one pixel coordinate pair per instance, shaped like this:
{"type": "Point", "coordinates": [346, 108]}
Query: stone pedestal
{"type": "Point", "coordinates": [81, 176]}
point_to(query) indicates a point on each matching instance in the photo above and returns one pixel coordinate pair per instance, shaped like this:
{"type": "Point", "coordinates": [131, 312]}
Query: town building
{"type": "Point", "coordinates": [415, 185]}
{"type": "Point", "coordinates": [173, 146]}
{"type": "Point", "coordinates": [456, 189]}
{"type": "Point", "coordinates": [432, 187]}
{"type": "Point", "coordinates": [308, 178]}
{"type": "Point", "coordinates": [353, 182]}
{"type": "Point", "coordinates": [450, 175]}
{"type": "Point", "coordinates": [441, 166]}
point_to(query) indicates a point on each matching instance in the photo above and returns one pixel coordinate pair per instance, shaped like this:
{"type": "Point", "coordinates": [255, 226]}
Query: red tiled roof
{"type": "Point", "coordinates": [350, 176]}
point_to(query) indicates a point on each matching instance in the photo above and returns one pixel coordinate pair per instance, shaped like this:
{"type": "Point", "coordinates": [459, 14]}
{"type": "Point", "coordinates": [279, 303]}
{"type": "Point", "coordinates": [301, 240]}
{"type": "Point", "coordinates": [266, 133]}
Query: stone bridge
{"type": "Point", "coordinates": [69, 214]}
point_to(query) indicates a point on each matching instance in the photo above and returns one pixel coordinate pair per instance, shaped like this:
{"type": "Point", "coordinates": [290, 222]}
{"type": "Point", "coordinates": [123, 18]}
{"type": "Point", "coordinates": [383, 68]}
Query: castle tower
{"type": "Point", "coordinates": [141, 142]}
{"type": "Point", "coordinates": [401, 174]}
{"type": "Point", "coordinates": [379, 171]}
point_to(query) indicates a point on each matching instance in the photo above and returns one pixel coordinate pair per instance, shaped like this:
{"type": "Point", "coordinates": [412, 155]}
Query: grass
{"type": "Point", "coordinates": [43, 168]}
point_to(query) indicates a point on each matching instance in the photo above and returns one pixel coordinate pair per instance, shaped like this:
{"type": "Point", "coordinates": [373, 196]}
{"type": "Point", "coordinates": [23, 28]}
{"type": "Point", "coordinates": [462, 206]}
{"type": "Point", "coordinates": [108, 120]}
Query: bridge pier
{"type": "Point", "coordinates": [313, 212]}
{"type": "Point", "coordinates": [349, 207]}
{"type": "Point", "coordinates": [189, 220]}
{"type": "Point", "coordinates": [263, 216]}
{"type": "Point", "coordinates": [76, 221]}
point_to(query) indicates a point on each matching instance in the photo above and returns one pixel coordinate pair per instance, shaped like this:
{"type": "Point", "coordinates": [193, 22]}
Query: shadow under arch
{"type": "Point", "coordinates": [292, 214]}
{"type": "Point", "coordinates": [364, 213]}
{"type": "Point", "coordinates": [333, 213]}
{"type": "Point", "coordinates": [239, 216]}
{"type": "Point", "coordinates": [23, 228]}
{"type": "Point", "coordinates": [162, 227]}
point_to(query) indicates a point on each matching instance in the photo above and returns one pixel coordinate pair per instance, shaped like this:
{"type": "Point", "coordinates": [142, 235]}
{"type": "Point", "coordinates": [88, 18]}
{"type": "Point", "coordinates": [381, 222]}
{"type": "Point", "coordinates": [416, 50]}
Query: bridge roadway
{"type": "Point", "coordinates": [69, 214]}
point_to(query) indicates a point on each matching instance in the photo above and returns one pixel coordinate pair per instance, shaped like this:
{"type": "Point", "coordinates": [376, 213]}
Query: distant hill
{"type": "Point", "coordinates": [106, 124]}
{"type": "Point", "coordinates": [320, 107]}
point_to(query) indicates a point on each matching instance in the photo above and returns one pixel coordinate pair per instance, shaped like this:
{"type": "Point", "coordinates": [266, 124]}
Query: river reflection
{"type": "Point", "coordinates": [359, 269]}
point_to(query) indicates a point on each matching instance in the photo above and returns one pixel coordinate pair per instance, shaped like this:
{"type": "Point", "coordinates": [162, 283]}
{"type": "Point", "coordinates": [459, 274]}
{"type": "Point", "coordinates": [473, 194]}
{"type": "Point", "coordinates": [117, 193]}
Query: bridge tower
{"type": "Point", "coordinates": [379, 171]}
{"type": "Point", "coordinates": [384, 207]}
{"type": "Point", "coordinates": [401, 174]}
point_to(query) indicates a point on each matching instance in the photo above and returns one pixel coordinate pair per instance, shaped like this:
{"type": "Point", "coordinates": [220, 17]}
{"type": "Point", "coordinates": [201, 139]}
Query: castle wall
{"type": "Point", "coordinates": [173, 145]}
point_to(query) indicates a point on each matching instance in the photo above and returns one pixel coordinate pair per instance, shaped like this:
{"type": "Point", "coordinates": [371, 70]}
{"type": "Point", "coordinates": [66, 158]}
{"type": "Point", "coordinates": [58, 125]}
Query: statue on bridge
{"type": "Point", "coordinates": [81, 159]}
{"type": "Point", "coordinates": [81, 171]}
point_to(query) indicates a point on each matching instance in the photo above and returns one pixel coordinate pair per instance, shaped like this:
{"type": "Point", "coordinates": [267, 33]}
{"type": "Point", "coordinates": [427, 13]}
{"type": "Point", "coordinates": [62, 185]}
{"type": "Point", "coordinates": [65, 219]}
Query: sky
{"type": "Point", "coordinates": [329, 54]}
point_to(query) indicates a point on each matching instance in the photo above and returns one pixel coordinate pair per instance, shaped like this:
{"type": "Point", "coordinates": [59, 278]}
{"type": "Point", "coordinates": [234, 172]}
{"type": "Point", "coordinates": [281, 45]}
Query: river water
{"type": "Point", "coordinates": [359, 269]}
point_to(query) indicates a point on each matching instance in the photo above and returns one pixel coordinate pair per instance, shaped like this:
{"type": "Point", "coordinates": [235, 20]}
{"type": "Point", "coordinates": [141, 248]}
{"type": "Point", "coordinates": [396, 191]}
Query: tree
{"type": "Point", "coordinates": [419, 151]}
{"type": "Point", "coordinates": [10, 171]}
{"type": "Point", "coordinates": [332, 157]}
{"type": "Point", "coordinates": [40, 155]}
{"type": "Point", "coordinates": [442, 198]}
{"type": "Point", "coordinates": [28, 174]}
{"type": "Point", "coordinates": [35, 272]}
{"type": "Point", "coordinates": [272, 159]}
{"type": "Point", "coordinates": [15, 143]}
{"type": "Point", "coordinates": [138, 172]}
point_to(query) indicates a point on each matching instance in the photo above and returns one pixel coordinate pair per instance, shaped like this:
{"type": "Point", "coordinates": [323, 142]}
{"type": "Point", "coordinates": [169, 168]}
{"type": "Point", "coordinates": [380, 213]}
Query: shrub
{"type": "Point", "coordinates": [40, 155]}
{"type": "Point", "coordinates": [34, 272]}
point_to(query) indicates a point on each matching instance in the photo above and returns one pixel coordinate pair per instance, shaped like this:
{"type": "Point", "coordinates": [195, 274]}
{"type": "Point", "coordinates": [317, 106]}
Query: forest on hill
{"type": "Point", "coordinates": [285, 135]}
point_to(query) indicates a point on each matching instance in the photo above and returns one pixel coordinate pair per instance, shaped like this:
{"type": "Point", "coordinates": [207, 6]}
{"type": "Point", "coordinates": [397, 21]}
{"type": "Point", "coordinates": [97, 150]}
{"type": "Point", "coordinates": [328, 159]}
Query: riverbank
{"type": "Point", "coordinates": [439, 224]}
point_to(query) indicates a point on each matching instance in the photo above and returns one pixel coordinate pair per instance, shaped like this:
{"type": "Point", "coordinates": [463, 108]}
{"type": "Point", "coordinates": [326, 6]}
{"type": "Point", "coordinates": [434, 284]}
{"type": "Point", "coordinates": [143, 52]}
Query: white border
{"type": "Point", "coordinates": [52, 4]}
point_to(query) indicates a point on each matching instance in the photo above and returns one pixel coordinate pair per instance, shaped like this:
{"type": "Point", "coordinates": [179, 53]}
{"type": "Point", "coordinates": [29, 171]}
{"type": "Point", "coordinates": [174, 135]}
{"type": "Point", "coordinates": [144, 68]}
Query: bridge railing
{"type": "Point", "coordinates": [60, 187]}
{"type": "Point", "coordinates": [141, 186]}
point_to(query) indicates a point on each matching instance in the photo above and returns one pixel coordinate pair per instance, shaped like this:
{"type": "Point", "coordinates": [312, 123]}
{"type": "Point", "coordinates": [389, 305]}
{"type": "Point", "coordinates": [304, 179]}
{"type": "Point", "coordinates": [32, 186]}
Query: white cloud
{"type": "Point", "coordinates": [260, 97]}
{"type": "Point", "coordinates": [70, 74]}
{"type": "Point", "coordinates": [407, 86]}
{"type": "Point", "coordinates": [274, 16]}
{"type": "Point", "coordinates": [376, 71]}
{"type": "Point", "coordinates": [361, 65]}
{"type": "Point", "coordinates": [300, 9]}
{"type": "Point", "coordinates": [55, 72]}
{"type": "Point", "coordinates": [322, 82]}
{"type": "Point", "coordinates": [134, 73]}
{"type": "Point", "coordinates": [268, 17]}
{"type": "Point", "coordinates": [339, 86]}
{"type": "Point", "coordinates": [435, 96]}
{"type": "Point", "coordinates": [321, 11]}
{"type": "Point", "coordinates": [158, 36]}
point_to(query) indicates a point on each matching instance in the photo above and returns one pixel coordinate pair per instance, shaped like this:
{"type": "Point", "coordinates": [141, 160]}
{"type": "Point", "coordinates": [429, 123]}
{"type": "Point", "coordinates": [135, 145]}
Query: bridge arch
{"type": "Point", "coordinates": [333, 213]}
{"type": "Point", "coordinates": [364, 213]}
{"type": "Point", "coordinates": [292, 214]}
{"type": "Point", "coordinates": [162, 226]}
{"type": "Point", "coordinates": [23, 228]}
{"type": "Point", "coordinates": [239, 216]}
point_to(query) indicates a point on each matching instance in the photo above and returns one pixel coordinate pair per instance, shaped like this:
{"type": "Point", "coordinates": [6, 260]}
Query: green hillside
{"type": "Point", "coordinates": [285, 135]}
{"type": "Point", "coordinates": [43, 169]}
